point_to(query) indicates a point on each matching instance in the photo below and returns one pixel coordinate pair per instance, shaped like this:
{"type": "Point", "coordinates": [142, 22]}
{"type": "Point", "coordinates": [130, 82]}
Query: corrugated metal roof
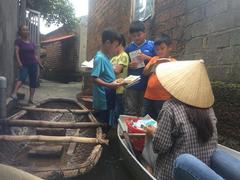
{"type": "Point", "coordinates": [57, 39]}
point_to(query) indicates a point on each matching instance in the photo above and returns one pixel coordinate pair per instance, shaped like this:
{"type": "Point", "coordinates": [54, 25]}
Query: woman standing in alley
{"type": "Point", "coordinates": [27, 61]}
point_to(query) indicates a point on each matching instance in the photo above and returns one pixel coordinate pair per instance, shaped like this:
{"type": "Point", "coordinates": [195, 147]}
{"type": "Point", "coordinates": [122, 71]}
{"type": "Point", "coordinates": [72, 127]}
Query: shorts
{"type": "Point", "coordinates": [30, 70]}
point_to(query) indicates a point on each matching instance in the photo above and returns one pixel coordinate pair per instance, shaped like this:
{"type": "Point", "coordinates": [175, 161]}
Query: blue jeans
{"type": "Point", "coordinates": [152, 107]}
{"type": "Point", "coordinates": [225, 165]}
{"type": "Point", "coordinates": [188, 167]}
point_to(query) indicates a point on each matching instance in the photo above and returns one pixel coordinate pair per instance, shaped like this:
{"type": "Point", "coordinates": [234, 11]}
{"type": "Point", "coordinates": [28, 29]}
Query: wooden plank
{"type": "Point", "coordinates": [72, 146]}
{"type": "Point", "coordinates": [46, 151]}
{"type": "Point", "coordinates": [37, 138]}
{"type": "Point", "coordinates": [51, 132]}
{"type": "Point", "coordinates": [77, 111]}
{"type": "Point", "coordinates": [51, 124]}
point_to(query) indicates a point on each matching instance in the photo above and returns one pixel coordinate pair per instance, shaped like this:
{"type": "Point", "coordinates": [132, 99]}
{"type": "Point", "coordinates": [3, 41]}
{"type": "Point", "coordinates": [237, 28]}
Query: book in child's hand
{"type": "Point", "coordinates": [134, 58]}
{"type": "Point", "coordinates": [87, 64]}
{"type": "Point", "coordinates": [159, 61]}
{"type": "Point", "coordinates": [129, 81]}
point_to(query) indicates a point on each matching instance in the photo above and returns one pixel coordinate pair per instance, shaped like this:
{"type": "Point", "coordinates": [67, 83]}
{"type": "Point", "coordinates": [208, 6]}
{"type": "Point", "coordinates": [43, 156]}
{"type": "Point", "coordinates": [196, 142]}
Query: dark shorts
{"type": "Point", "coordinates": [152, 107]}
{"type": "Point", "coordinates": [30, 70]}
{"type": "Point", "coordinates": [106, 116]}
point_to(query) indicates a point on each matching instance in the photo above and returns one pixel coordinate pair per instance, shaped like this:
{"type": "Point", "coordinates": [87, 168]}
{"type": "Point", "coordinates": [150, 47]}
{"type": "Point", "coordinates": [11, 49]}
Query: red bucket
{"type": "Point", "coordinates": [138, 143]}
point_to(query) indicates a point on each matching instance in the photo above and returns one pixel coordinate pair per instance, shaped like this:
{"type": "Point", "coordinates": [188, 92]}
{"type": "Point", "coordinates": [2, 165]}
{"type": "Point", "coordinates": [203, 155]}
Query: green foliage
{"type": "Point", "coordinates": [55, 11]}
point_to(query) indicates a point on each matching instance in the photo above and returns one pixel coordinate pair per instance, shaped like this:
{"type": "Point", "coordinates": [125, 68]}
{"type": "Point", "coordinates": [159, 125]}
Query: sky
{"type": "Point", "coordinates": [81, 9]}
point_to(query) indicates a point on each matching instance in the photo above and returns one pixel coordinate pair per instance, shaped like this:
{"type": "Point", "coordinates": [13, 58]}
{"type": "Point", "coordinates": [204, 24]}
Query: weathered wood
{"type": "Point", "coordinates": [18, 114]}
{"type": "Point", "coordinates": [77, 111]}
{"type": "Point", "coordinates": [46, 151]}
{"type": "Point", "coordinates": [51, 124]}
{"type": "Point", "coordinates": [72, 146]}
{"type": "Point", "coordinates": [37, 138]}
{"type": "Point", "coordinates": [51, 132]}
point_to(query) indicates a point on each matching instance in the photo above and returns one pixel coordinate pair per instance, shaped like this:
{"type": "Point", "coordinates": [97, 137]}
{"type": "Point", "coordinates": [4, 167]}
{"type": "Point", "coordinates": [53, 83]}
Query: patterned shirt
{"type": "Point", "coordinates": [175, 135]}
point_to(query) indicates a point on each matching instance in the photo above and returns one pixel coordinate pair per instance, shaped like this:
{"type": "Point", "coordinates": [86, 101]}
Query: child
{"type": "Point", "coordinates": [134, 94]}
{"type": "Point", "coordinates": [155, 94]}
{"type": "Point", "coordinates": [120, 66]}
{"type": "Point", "coordinates": [104, 77]}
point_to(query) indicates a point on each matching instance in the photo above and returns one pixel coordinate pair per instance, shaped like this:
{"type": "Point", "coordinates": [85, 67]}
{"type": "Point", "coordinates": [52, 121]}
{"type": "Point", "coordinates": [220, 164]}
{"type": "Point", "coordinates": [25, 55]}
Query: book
{"type": "Point", "coordinates": [133, 56]}
{"type": "Point", "coordinates": [87, 64]}
{"type": "Point", "coordinates": [159, 61]}
{"type": "Point", "coordinates": [130, 80]}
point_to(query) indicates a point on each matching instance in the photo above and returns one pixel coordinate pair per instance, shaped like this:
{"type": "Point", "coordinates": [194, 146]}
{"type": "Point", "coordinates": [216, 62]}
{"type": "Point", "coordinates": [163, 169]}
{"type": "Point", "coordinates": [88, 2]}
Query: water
{"type": "Point", "coordinates": [110, 166]}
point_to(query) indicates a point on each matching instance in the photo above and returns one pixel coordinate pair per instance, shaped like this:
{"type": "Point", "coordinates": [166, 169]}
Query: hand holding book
{"type": "Point", "coordinates": [128, 81]}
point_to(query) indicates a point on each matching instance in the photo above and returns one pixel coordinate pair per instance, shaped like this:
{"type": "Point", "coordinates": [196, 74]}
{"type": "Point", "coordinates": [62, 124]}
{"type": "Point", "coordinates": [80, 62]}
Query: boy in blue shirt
{"type": "Point", "coordinates": [135, 93]}
{"type": "Point", "coordinates": [103, 76]}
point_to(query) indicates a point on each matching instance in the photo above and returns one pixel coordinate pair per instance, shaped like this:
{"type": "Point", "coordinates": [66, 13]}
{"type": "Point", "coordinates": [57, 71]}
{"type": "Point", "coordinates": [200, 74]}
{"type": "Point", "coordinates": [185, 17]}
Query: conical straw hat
{"type": "Point", "coordinates": [187, 81]}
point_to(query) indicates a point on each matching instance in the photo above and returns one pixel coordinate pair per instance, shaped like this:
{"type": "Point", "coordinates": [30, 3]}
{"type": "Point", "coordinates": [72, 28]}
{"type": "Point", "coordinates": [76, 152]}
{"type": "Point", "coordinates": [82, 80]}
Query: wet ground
{"type": "Point", "coordinates": [110, 165]}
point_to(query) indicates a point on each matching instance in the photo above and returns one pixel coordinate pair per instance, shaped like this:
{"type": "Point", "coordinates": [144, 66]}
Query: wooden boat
{"type": "Point", "coordinates": [85, 99]}
{"type": "Point", "coordinates": [131, 162]}
{"type": "Point", "coordinates": [57, 138]}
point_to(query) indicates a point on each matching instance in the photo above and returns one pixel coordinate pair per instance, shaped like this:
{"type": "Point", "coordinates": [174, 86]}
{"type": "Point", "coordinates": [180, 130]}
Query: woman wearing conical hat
{"type": "Point", "coordinates": [186, 123]}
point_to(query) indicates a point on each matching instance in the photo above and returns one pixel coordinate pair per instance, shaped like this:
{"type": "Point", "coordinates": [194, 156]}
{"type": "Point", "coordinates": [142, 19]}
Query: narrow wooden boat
{"type": "Point", "coordinates": [138, 171]}
{"type": "Point", "coordinates": [85, 99]}
{"type": "Point", "coordinates": [57, 138]}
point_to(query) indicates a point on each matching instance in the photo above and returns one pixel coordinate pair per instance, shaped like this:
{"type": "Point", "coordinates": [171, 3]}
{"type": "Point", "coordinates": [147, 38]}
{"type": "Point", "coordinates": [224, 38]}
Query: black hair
{"type": "Point", "coordinates": [136, 26]}
{"type": "Point", "coordinates": [19, 29]}
{"type": "Point", "coordinates": [164, 38]}
{"type": "Point", "coordinates": [123, 41]}
{"type": "Point", "coordinates": [110, 35]}
{"type": "Point", "coordinates": [201, 121]}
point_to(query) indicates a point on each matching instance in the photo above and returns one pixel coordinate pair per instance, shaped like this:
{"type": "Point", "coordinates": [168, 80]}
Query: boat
{"type": "Point", "coordinates": [56, 138]}
{"type": "Point", "coordinates": [130, 160]}
{"type": "Point", "coordinates": [86, 99]}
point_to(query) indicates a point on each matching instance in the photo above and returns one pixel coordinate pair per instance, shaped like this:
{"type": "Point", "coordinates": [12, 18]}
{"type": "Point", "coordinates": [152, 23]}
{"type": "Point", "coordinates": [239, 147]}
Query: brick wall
{"type": "Point", "coordinates": [62, 60]}
{"type": "Point", "coordinates": [103, 14]}
{"type": "Point", "coordinates": [208, 29]}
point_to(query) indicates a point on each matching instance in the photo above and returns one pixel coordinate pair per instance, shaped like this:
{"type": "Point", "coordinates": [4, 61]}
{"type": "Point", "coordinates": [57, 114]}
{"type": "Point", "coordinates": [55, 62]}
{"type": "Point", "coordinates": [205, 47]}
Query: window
{"type": "Point", "coordinates": [142, 9]}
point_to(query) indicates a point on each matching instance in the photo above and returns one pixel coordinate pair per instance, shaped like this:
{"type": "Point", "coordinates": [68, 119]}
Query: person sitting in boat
{"type": "Point", "coordinates": [103, 76]}
{"type": "Point", "coordinates": [186, 123]}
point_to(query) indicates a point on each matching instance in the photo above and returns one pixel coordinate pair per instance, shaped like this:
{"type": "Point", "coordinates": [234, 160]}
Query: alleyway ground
{"type": "Point", "coordinates": [49, 89]}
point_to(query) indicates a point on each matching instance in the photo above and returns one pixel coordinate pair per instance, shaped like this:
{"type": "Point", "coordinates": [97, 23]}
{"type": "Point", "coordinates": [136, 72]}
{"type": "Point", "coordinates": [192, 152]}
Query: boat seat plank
{"type": "Point", "coordinates": [51, 131]}
{"type": "Point", "coordinates": [46, 151]}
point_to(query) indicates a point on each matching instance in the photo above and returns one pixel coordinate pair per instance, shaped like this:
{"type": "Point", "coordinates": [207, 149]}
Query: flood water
{"type": "Point", "coordinates": [110, 166]}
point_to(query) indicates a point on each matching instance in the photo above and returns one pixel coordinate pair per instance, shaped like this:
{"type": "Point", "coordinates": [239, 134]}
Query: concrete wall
{"type": "Point", "coordinates": [8, 29]}
{"type": "Point", "coordinates": [82, 52]}
{"type": "Point", "coordinates": [212, 32]}
{"type": "Point", "coordinates": [208, 29]}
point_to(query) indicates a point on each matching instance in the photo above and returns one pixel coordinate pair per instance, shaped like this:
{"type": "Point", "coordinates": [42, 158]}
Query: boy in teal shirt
{"type": "Point", "coordinates": [104, 77]}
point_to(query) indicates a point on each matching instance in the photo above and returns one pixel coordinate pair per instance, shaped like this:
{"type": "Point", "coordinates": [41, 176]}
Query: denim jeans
{"type": "Point", "coordinates": [188, 167]}
{"type": "Point", "coordinates": [225, 165]}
